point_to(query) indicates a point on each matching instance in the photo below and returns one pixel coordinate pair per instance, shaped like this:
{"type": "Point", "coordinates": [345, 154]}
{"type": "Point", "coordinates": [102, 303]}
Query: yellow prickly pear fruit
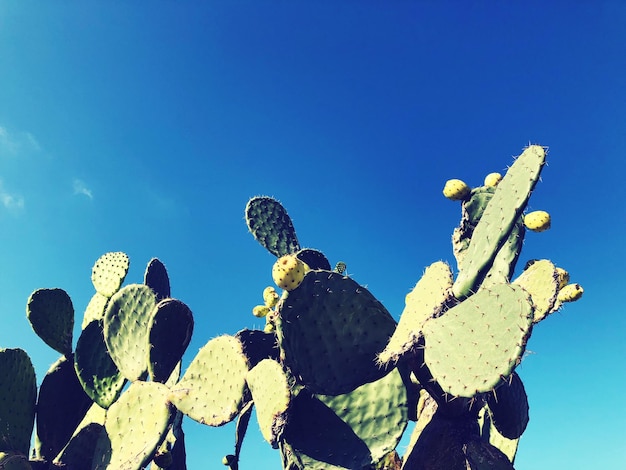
{"type": "Point", "coordinates": [563, 277]}
{"type": "Point", "coordinates": [537, 221]}
{"type": "Point", "coordinates": [570, 293]}
{"type": "Point", "coordinates": [456, 190]}
{"type": "Point", "coordinates": [492, 179]}
{"type": "Point", "coordinates": [288, 272]}
{"type": "Point", "coordinates": [270, 297]}
{"type": "Point", "coordinates": [260, 311]}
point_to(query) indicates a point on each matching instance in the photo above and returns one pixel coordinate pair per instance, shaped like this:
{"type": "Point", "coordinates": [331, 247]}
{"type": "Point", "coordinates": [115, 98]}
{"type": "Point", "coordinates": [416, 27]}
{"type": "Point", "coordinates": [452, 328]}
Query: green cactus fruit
{"type": "Point", "coordinates": [492, 179]}
{"type": "Point", "coordinates": [537, 221]}
{"type": "Point", "coordinates": [456, 190]}
{"type": "Point", "coordinates": [570, 293]}
{"type": "Point", "coordinates": [541, 281]}
{"type": "Point", "coordinates": [508, 408]}
{"type": "Point", "coordinates": [126, 323]}
{"type": "Point", "coordinates": [350, 431]}
{"type": "Point", "coordinates": [476, 343]}
{"type": "Point", "coordinates": [498, 220]}
{"type": "Point", "coordinates": [135, 426]}
{"type": "Point", "coordinates": [156, 278]}
{"type": "Point", "coordinates": [425, 301]}
{"type": "Point", "coordinates": [51, 314]}
{"type": "Point", "coordinates": [270, 296]}
{"type": "Point", "coordinates": [95, 309]}
{"type": "Point", "coordinates": [213, 389]}
{"type": "Point", "coordinates": [61, 405]}
{"type": "Point", "coordinates": [271, 395]}
{"type": "Point", "coordinates": [170, 330]}
{"type": "Point", "coordinates": [330, 332]}
{"type": "Point", "coordinates": [18, 391]}
{"type": "Point", "coordinates": [109, 271]}
{"type": "Point", "coordinates": [258, 345]}
{"type": "Point", "coordinates": [271, 226]}
{"type": "Point", "coordinates": [96, 371]}
{"type": "Point", "coordinates": [490, 434]}
{"type": "Point", "coordinates": [14, 461]}
{"type": "Point", "coordinates": [288, 272]}
{"type": "Point", "coordinates": [79, 451]}
{"type": "Point", "coordinates": [314, 259]}
{"type": "Point", "coordinates": [260, 311]}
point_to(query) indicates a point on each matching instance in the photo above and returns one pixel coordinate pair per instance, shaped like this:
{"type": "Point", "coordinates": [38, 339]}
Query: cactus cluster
{"type": "Point", "coordinates": [333, 377]}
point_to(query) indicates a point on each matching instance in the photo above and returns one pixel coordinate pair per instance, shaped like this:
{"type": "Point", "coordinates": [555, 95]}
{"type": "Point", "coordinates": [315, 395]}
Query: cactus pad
{"type": "Point", "coordinates": [126, 329]}
{"type": "Point", "coordinates": [171, 326]}
{"type": "Point", "coordinates": [95, 309]}
{"type": "Point", "coordinates": [541, 281]}
{"type": "Point", "coordinates": [213, 389]}
{"type": "Point", "coordinates": [314, 259]}
{"type": "Point", "coordinates": [508, 408]}
{"type": "Point", "coordinates": [109, 271]}
{"type": "Point", "coordinates": [331, 331]}
{"type": "Point", "coordinates": [425, 301]}
{"type": "Point", "coordinates": [51, 314]}
{"type": "Point", "coordinates": [18, 393]}
{"type": "Point", "coordinates": [271, 394]}
{"type": "Point", "coordinates": [271, 226]}
{"type": "Point", "coordinates": [476, 343]}
{"type": "Point", "coordinates": [156, 278]}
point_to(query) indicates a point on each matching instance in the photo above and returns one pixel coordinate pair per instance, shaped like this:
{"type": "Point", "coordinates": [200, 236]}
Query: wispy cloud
{"type": "Point", "coordinates": [81, 188]}
{"type": "Point", "coordinates": [14, 143]}
{"type": "Point", "coordinates": [10, 201]}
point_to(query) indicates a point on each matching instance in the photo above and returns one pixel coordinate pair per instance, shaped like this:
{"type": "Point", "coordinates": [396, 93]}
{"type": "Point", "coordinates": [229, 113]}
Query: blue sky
{"type": "Point", "coordinates": [145, 129]}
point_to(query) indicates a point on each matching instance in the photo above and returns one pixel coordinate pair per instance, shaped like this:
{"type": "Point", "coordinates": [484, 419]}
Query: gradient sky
{"type": "Point", "coordinates": [146, 128]}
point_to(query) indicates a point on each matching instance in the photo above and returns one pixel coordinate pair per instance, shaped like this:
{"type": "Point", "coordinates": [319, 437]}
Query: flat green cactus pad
{"type": "Point", "coordinates": [481, 455]}
{"type": "Point", "coordinates": [489, 433]}
{"type": "Point", "coordinates": [476, 343]}
{"type": "Point", "coordinates": [314, 259]}
{"type": "Point", "coordinates": [331, 330]}
{"type": "Point", "coordinates": [213, 389]}
{"type": "Point", "coordinates": [170, 329]}
{"type": "Point", "coordinates": [271, 226]}
{"type": "Point", "coordinates": [508, 408]}
{"type": "Point", "coordinates": [126, 329]}
{"type": "Point", "coordinates": [135, 425]}
{"type": "Point", "coordinates": [541, 281]}
{"type": "Point", "coordinates": [98, 374]}
{"type": "Point", "coordinates": [348, 431]}
{"type": "Point", "coordinates": [425, 301]}
{"type": "Point", "coordinates": [95, 309]}
{"type": "Point", "coordinates": [18, 393]}
{"type": "Point", "coordinates": [14, 461]}
{"type": "Point", "coordinates": [157, 279]}
{"type": "Point", "coordinates": [109, 271]}
{"type": "Point", "coordinates": [271, 395]}
{"type": "Point", "coordinates": [79, 451]}
{"type": "Point", "coordinates": [51, 314]}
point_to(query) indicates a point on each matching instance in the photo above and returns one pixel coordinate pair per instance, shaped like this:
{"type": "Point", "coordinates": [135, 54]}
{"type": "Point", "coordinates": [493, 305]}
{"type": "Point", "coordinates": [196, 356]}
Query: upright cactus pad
{"type": "Point", "coordinates": [425, 301]}
{"type": "Point", "coordinates": [498, 219]}
{"type": "Point", "coordinates": [213, 389]}
{"type": "Point", "coordinates": [314, 259]}
{"type": "Point", "coordinates": [156, 278]}
{"type": "Point", "coordinates": [271, 226]}
{"type": "Point", "coordinates": [51, 314]}
{"type": "Point", "coordinates": [508, 408]}
{"type": "Point", "coordinates": [331, 331]}
{"type": "Point", "coordinates": [541, 281]}
{"type": "Point", "coordinates": [95, 309]}
{"type": "Point", "coordinates": [18, 394]}
{"type": "Point", "coordinates": [476, 343]}
{"type": "Point", "coordinates": [109, 271]}
{"type": "Point", "coordinates": [126, 329]}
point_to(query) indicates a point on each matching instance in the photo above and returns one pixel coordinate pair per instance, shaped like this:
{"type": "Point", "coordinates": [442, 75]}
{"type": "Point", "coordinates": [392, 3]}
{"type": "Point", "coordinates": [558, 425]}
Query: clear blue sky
{"type": "Point", "coordinates": [145, 129]}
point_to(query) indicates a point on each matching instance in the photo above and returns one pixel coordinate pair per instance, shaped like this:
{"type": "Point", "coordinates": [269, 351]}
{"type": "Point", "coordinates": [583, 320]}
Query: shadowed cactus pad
{"type": "Point", "coordinates": [51, 314]}
{"type": "Point", "coordinates": [109, 271]}
{"type": "Point", "coordinates": [508, 408]}
{"type": "Point", "coordinates": [476, 343]}
{"type": "Point", "coordinates": [330, 331]}
{"type": "Point", "coordinates": [213, 389]}
{"type": "Point", "coordinates": [271, 226]}
{"type": "Point", "coordinates": [156, 278]}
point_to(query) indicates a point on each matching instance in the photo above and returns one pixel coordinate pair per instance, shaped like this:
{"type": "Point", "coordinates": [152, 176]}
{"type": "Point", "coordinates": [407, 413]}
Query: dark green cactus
{"type": "Point", "coordinates": [271, 226]}
{"type": "Point", "coordinates": [51, 314]}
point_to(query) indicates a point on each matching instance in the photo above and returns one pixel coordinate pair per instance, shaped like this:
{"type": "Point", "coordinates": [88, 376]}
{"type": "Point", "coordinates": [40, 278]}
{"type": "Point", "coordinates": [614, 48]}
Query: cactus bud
{"type": "Point", "coordinates": [456, 190]}
{"type": "Point", "coordinates": [288, 272]}
{"type": "Point", "coordinates": [270, 297]}
{"type": "Point", "coordinates": [570, 293]}
{"type": "Point", "coordinates": [492, 179]}
{"type": "Point", "coordinates": [537, 221]}
{"type": "Point", "coordinates": [260, 311]}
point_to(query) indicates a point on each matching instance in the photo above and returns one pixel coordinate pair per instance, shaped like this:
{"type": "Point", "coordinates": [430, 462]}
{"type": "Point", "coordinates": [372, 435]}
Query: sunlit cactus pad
{"type": "Point", "coordinates": [541, 281]}
{"type": "Point", "coordinates": [109, 271]}
{"type": "Point", "coordinates": [475, 344]}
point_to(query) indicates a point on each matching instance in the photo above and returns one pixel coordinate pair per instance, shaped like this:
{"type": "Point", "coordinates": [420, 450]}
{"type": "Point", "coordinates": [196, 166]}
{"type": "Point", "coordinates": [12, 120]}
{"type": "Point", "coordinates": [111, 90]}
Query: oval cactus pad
{"type": "Point", "coordinates": [541, 281]}
{"type": "Point", "coordinates": [212, 390]}
{"type": "Point", "coordinates": [109, 271]}
{"type": "Point", "coordinates": [271, 226]}
{"type": "Point", "coordinates": [475, 344]}
{"type": "Point", "coordinates": [331, 331]}
{"type": "Point", "coordinates": [51, 314]}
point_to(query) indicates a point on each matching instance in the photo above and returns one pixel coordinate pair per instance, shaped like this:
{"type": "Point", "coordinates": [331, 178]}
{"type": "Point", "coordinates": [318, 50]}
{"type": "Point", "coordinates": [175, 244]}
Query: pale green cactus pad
{"type": "Point", "coordinates": [79, 451]}
{"type": "Point", "coordinates": [109, 271]}
{"type": "Point", "coordinates": [18, 395]}
{"type": "Point", "coordinates": [213, 389]}
{"type": "Point", "coordinates": [271, 395]}
{"type": "Point", "coordinates": [476, 343]}
{"type": "Point", "coordinates": [541, 281]}
{"type": "Point", "coordinates": [51, 314]}
{"type": "Point", "coordinates": [425, 301]}
{"type": "Point", "coordinates": [490, 433]}
{"type": "Point", "coordinates": [95, 309]}
{"type": "Point", "coordinates": [135, 426]}
{"type": "Point", "coordinates": [126, 323]}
